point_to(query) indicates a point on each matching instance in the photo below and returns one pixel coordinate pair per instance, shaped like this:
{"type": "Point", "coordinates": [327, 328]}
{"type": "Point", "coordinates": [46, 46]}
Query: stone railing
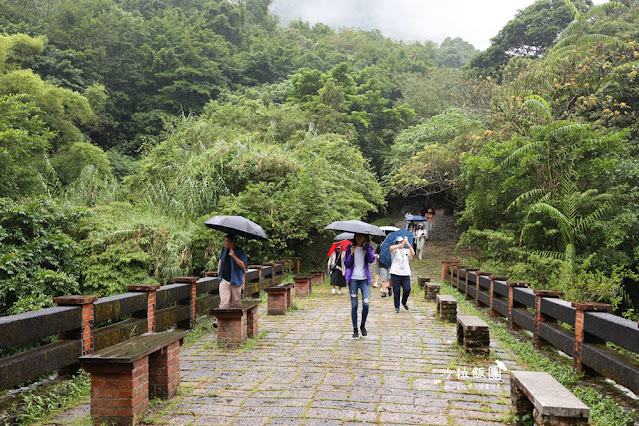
{"type": "Point", "coordinates": [83, 324]}
{"type": "Point", "coordinates": [581, 330]}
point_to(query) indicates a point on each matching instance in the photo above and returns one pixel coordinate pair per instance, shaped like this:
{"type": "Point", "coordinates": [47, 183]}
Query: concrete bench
{"type": "Point", "coordinates": [124, 376]}
{"type": "Point", "coordinates": [303, 285]}
{"type": "Point", "coordinates": [317, 277]}
{"type": "Point", "coordinates": [431, 290]}
{"type": "Point", "coordinates": [236, 321]}
{"type": "Point", "coordinates": [447, 307]}
{"type": "Point", "coordinates": [549, 402]}
{"type": "Point", "coordinates": [473, 334]}
{"type": "Point", "coordinates": [280, 298]}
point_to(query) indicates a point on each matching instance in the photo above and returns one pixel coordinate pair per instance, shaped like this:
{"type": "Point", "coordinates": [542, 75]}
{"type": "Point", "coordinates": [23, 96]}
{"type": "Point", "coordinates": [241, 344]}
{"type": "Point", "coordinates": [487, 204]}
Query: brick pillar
{"type": "Point", "coordinates": [446, 268]}
{"type": "Point", "coordinates": [164, 371]}
{"type": "Point", "coordinates": [581, 336]}
{"type": "Point", "coordinates": [477, 287]}
{"type": "Point", "coordinates": [493, 312]}
{"type": "Point", "coordinates": [512, 304]}
{"type": "Point", "coordinates": [149, 314]}
{"type": "Point", "coordinates": [231, 328]}
{"type": "Point", "coordinates": [468, 271]}
{"type": "Point", "coordinates": [84, 332]}
{"type": "Point", "coordinates": [119, 392]}
{"type": "Point", "coordinates": [540, 317]}
{"type": "Point", "coordinates": [191, 301]}
{"type": "Point", "coordinates": [298, 265]}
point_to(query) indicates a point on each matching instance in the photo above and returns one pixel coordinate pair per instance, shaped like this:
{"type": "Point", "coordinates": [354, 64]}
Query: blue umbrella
{"type": "Point", "coordinates": [415, 218]}
{"type": "Point", "coordinates": [384, 251]}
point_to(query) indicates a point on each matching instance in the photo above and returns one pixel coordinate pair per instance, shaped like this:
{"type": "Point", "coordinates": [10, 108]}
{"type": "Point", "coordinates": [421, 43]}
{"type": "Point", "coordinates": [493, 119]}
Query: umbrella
{"type": "Point", "coordinates": [237, 225]}
{"type": "Point", "coordinates": [356, 227]}
{"type": "Point", "coordinates": [415, 218]}
{"type": "Point", "coordinates": [344, 236]}
{"type": "Point", "coordinates": [388, 229]}
{"type": "Point", "coordinates": [343, 244]}
{"type": "Point", "coordinates": [384, 250]}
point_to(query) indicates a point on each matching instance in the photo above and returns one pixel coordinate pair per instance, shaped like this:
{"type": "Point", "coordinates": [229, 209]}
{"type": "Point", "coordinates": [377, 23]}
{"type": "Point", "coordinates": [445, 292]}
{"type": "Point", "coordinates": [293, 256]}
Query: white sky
{"type": "Point", "coordinates": [476, 21]}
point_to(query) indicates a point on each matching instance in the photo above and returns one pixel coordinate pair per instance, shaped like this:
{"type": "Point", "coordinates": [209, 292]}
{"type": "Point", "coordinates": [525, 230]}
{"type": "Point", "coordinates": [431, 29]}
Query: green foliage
{"type": "Point", "coordinates": [39, 257]}
{"type": "Point", "coordinates": [70, 161]}
{"type": "Point", "coordinates": [23, 141]}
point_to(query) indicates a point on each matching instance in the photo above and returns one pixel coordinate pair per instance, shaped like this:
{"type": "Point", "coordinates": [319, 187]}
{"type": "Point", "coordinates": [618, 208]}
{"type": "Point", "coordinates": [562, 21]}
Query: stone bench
{"type": "Point", "coordinates": [549, 402]}
{"type": "Point", "coordinates": [280, 298]}
{"type": "Point", "coordinates": [447, 307]}
{"type": "Point", "coordinates": [473, 334]}
{"type": "Point", "coordinates": [431, 290]}
{"type": "Point", "coordinates": [236, 321]}
{"type": "Point", "coordinates": [422, 280]}
{"type": "Point", "coordinates": [126, 375]}
{"type": "Point", "coordinates": [303, 285]}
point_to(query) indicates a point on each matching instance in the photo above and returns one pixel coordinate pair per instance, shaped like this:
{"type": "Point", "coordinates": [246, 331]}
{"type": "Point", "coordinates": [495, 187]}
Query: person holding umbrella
{"type": "Point", "coordinates": [230, 270]}
{"type": "Point", "coordinates": [336, 269]}
{"type": "Point", "coordinates": [358, 256]}
{"type": "Point", "coordinates": [401, 252]}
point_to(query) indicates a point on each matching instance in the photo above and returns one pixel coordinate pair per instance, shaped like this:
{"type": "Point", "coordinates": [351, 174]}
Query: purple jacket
{"type": "Point", "coordinates": [349, 262]}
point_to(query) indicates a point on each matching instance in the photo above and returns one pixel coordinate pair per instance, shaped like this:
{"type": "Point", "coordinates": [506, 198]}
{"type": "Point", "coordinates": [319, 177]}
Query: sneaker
{"type": "Point", "coordinates": [333, 291]}
{"type": "Point", "coordinates": [339, 291]}
{"type": "Point", "coordinates": [405, 306]}
{"type": "Point", "coordinates": [355, 334]}
{"type": "Point", "coordinates": [363, 329]}
{"type": "Point", "coordinates": [375, 285]}
{"type": "Point", "coordinates": [396, 310]}
{"type": "Point", "coordinates": [384, 294]}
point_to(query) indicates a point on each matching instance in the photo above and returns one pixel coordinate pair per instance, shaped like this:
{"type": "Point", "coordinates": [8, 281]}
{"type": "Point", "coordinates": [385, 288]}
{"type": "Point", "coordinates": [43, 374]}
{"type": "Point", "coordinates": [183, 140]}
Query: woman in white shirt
{"type": "Point", "coordinates": [420, 236]}
{"type": "Point", "coordinates": [401, 254]}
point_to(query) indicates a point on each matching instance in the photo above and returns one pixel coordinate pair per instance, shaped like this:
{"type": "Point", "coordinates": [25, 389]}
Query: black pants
{"type": "Point", "coordinates": [403, 282]}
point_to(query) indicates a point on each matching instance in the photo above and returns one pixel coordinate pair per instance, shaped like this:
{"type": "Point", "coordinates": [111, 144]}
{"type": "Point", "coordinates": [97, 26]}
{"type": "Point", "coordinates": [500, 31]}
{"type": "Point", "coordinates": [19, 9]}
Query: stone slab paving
{"type": "Point", "coordinates": [306, 369]}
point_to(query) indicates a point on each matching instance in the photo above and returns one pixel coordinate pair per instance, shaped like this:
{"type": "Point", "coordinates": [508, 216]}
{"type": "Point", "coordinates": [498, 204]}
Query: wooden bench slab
{"type": "Point", "coordinates": [548, 396]}
{"type": "Point", "coordinates": [134, 349]}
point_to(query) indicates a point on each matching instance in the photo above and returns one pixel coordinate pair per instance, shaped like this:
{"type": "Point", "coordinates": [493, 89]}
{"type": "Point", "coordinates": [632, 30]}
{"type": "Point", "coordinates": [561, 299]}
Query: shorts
{"type": "Point", "coordinates": [384, 275]}
{"type": "Point", "coordinates": [374, 269]}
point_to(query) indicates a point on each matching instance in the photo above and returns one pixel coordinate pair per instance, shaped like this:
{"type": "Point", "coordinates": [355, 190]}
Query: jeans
{"type": "Point", "coordinates": [365, 288]}
{"type": "Point", "coordinates": [403, 282]}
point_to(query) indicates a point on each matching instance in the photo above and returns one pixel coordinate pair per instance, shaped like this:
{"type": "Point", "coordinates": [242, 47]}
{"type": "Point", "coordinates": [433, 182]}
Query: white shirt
{"type": "Point", "coordinates": [359, 273]}
{"type": "Point", "coordinates": [400, 265]}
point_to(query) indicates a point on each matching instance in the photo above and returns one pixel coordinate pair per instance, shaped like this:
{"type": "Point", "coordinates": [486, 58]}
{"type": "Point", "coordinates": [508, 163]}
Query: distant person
{"type": "Point", "coordinates": [384, 276]}
{"type": "Point", "coordinates": [336, 269]}
{"type": "Point", "coordinates": [401, 254]}
{"type": "Point", "coordinates": [430, 222]}
{"type": "Point", "coordinates": [230, 270]}
{"type": "Point", "coordinates": [375, 268]}
{"type": "Point", "coordinates": [420, 237]}
{"type": "Point", "coordinates": [359, 255]}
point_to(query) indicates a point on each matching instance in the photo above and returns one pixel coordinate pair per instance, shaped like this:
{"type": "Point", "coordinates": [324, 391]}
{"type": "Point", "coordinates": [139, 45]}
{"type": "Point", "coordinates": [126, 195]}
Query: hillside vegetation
{"type": "Point", "coordinates": [126, 123]}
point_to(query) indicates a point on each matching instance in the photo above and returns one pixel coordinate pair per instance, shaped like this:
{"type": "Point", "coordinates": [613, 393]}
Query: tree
{"type": "Point", "coordinates": [455, 53]}
{"type": "Point", "coordinates": [532, 31]}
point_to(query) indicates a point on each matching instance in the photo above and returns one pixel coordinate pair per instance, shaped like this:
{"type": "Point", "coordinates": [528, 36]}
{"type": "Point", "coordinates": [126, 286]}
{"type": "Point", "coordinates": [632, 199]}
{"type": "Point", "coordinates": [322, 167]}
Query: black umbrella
{"type": "Point", "coordinates": [237, 225]}
{"type": "Point", "coordinates": [356, 227]}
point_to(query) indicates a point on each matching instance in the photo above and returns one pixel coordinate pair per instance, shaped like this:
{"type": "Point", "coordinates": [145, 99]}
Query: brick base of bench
{"type": "Point", "coordinates": [236, 322]}
{"type": "Point", "coordinates": [303, 285]}
{"type": "Point", "coordinates": [280, 298]}
{"type": "Point", "coordinates": [431, 290]}
{"type": "Point", "coordinates": [447, 307]}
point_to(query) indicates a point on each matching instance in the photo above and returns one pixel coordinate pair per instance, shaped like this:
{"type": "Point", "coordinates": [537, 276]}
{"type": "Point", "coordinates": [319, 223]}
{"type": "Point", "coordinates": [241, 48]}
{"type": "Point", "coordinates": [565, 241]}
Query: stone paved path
{"type": "Point", "coordinates": [306, 369]}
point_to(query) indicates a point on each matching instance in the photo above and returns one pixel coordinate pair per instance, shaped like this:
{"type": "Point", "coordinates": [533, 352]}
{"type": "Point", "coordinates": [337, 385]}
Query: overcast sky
{"type": "Point", "coordinates": [476, 21]}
